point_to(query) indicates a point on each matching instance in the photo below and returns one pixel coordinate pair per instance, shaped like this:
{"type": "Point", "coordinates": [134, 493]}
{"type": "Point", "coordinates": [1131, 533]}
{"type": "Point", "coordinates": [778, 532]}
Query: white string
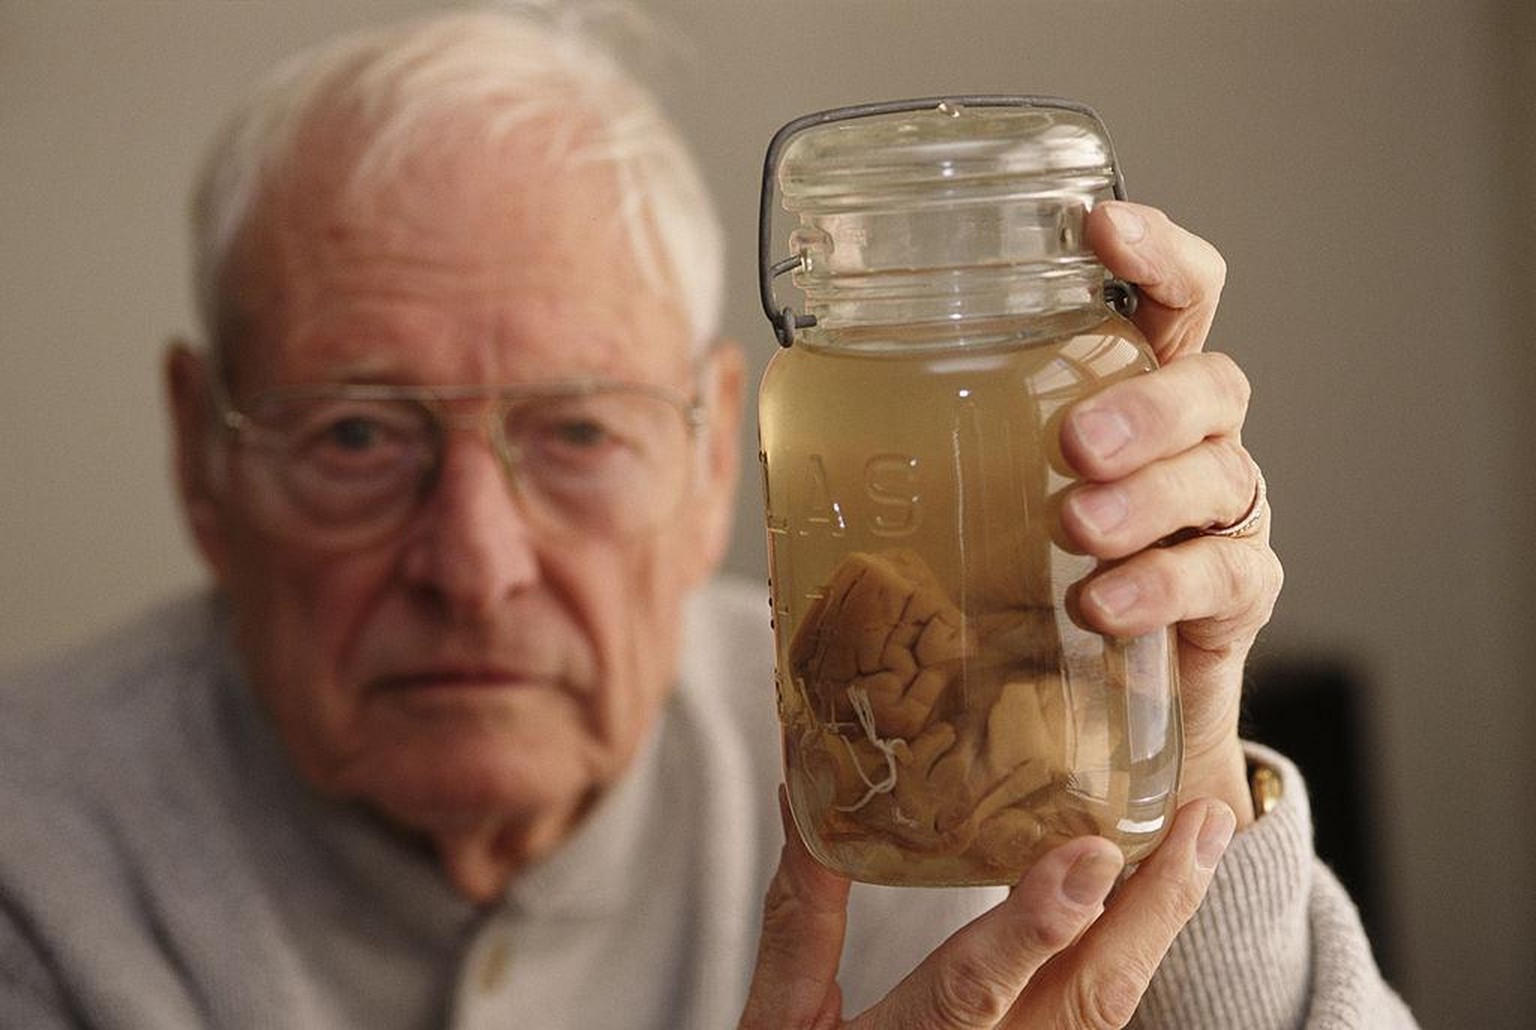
{"type": "Point", "coordinates": [859, 698]}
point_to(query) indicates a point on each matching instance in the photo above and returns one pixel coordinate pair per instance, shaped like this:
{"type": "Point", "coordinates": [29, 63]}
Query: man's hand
{"type": "Point", "coordinates": [1162, 453]}
{"type": "Point", "coordinates": [1049, 956]}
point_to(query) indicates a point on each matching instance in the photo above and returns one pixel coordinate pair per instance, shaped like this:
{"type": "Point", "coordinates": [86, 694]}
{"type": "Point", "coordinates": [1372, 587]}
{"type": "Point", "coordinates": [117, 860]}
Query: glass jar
{"type": "Point", "coordinates": [945, 719]}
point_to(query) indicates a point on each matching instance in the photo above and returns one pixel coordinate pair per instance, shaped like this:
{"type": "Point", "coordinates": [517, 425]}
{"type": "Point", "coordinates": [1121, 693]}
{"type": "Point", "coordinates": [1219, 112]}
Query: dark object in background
{"type": "Point", "coordinates": [1316, 712]}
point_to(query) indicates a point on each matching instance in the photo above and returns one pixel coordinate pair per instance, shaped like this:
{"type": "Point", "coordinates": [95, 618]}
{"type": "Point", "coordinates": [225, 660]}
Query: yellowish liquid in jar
{"type": "Point", "coordinates": [945, 721]}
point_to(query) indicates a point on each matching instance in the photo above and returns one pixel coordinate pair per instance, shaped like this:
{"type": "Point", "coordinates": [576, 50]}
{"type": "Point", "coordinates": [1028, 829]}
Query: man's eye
{"type": "Point", "coordinates": [581, 434]}
{"type": "Point", "coordinates": [354, 442]}
{"type": "Point", "coordinates": [354, 434]}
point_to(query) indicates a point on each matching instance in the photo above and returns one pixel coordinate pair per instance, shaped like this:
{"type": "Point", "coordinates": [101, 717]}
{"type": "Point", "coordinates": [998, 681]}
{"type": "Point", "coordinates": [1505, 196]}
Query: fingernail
{"type": "Point", "coordinates": [1115, 595]}
{"type": "Point", "coordinates": [1101, 433]}
{"type": "Point", "coordinates": [1215, 835]}
{"type": "Point", "coordinates": [1103, 509]}
{"type": "Point", "coordinates": [1089, 879]}
{"type": "Point", "coordinates": [1129, 225]}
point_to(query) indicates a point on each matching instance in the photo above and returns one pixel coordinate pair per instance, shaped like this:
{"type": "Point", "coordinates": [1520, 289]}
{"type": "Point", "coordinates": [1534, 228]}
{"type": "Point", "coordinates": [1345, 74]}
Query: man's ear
{"type": "Point", "coordinates": [186, 386]}
{"type": "Point", "coordinates": [723, 381]}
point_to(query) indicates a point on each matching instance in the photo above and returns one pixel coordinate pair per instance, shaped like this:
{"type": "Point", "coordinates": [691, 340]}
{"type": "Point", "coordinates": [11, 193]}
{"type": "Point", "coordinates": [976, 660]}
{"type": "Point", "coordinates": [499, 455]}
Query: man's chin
{"type": "Point", "coordinates": [478, 781]}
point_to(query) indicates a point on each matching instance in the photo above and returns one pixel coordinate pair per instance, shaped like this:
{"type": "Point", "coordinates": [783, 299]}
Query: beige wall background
{"type": "Point", "coordinates": [1367, 168]}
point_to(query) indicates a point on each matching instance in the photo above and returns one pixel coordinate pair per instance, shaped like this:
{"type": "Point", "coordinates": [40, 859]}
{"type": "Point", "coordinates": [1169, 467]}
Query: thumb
{"type": "Point", "coordinates": [804, 916]}
{"type": "Point", "coordinates": [1180, 275]}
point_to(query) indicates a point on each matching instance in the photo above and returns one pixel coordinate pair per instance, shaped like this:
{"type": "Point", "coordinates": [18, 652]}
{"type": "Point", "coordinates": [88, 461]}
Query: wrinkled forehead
{"type": "Point", "coordinates": [540, 195]}
{"type": "Point", "coordinates": [457, 216]}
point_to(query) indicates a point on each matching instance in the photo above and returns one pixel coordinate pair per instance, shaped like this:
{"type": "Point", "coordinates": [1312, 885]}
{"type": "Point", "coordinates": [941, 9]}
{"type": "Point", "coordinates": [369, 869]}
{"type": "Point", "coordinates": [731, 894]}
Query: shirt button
{"type": "Point", "coordinates": [495, 964]}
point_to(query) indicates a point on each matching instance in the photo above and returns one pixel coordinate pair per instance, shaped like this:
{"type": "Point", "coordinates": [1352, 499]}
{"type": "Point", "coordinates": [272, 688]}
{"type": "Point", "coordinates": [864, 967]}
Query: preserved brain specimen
{"type": "Point", "coordinates": [918, 727]}
{"type": "Point", "coordinates": [884, 628]}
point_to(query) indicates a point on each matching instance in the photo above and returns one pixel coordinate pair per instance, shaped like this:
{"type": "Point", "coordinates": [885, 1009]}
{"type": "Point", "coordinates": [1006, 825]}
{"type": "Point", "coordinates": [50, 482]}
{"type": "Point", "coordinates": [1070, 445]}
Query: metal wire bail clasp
{"type": "Point", "coordinates": [784, 319]}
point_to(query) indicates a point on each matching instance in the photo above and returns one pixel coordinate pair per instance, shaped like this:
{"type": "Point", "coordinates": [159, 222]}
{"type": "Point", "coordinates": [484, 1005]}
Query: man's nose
{"type": "Point", "coordinates": [471, 546]}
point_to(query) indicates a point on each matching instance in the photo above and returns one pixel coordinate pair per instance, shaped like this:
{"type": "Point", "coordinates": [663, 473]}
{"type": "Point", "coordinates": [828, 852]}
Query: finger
{"type": "Point", "coordinates": [1212, 484]}
{"type": "Point", "coordinates": [1138, 420]}
{"type": "Point", "coordinates": [1180, 275]}
{"type": "Point", "coordinates": [978, 973]}
{"type": "Point", "coordinates": [1220, 591]}
{"type": "Point", "coordinates": [804, 917]}
{"type": "Point", "coordinates": [1100, 982]}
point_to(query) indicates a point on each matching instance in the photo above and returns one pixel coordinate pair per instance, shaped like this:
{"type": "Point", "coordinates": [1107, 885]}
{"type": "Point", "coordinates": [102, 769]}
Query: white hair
{"type": "Point", "coordinates": [505, 67]}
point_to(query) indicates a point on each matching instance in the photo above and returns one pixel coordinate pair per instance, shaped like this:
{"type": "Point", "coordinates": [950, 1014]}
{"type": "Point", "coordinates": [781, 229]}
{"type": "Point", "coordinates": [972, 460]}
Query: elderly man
{"type": "Point", "coordinates": [466, 736]}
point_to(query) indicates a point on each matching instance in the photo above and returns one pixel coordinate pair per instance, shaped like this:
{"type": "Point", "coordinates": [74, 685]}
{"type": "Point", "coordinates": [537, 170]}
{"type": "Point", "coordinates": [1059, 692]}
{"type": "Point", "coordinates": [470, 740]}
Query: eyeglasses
{"type": "Point", "coordinates": [346, 465]}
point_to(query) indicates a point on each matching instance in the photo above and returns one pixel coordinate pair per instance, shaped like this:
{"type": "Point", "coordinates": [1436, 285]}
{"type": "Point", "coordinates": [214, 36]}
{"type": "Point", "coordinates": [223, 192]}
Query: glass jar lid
{"type": "Point", "coordinates": [943, 207]}
{"type": "Point", "coordinates": [949, 146]}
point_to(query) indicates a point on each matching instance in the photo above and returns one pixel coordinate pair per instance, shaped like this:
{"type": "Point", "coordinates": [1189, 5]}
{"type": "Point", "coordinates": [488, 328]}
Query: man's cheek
{"type": "Point", "coordinates": [302, 623]}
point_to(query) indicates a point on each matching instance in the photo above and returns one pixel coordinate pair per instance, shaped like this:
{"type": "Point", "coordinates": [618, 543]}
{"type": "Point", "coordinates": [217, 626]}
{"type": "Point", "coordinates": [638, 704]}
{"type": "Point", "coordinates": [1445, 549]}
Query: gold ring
{"type": "Point", "coordinates": [1252, 518]}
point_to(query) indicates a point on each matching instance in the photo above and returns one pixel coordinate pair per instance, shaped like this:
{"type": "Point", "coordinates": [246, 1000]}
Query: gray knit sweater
{"type": "Point", "coordinates": [161, 867]}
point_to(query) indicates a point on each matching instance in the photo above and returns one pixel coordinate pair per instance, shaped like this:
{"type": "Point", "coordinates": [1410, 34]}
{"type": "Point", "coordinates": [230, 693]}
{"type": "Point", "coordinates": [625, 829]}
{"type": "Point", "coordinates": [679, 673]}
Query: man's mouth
{"type": "Point", "coordinates": [465, 678]}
